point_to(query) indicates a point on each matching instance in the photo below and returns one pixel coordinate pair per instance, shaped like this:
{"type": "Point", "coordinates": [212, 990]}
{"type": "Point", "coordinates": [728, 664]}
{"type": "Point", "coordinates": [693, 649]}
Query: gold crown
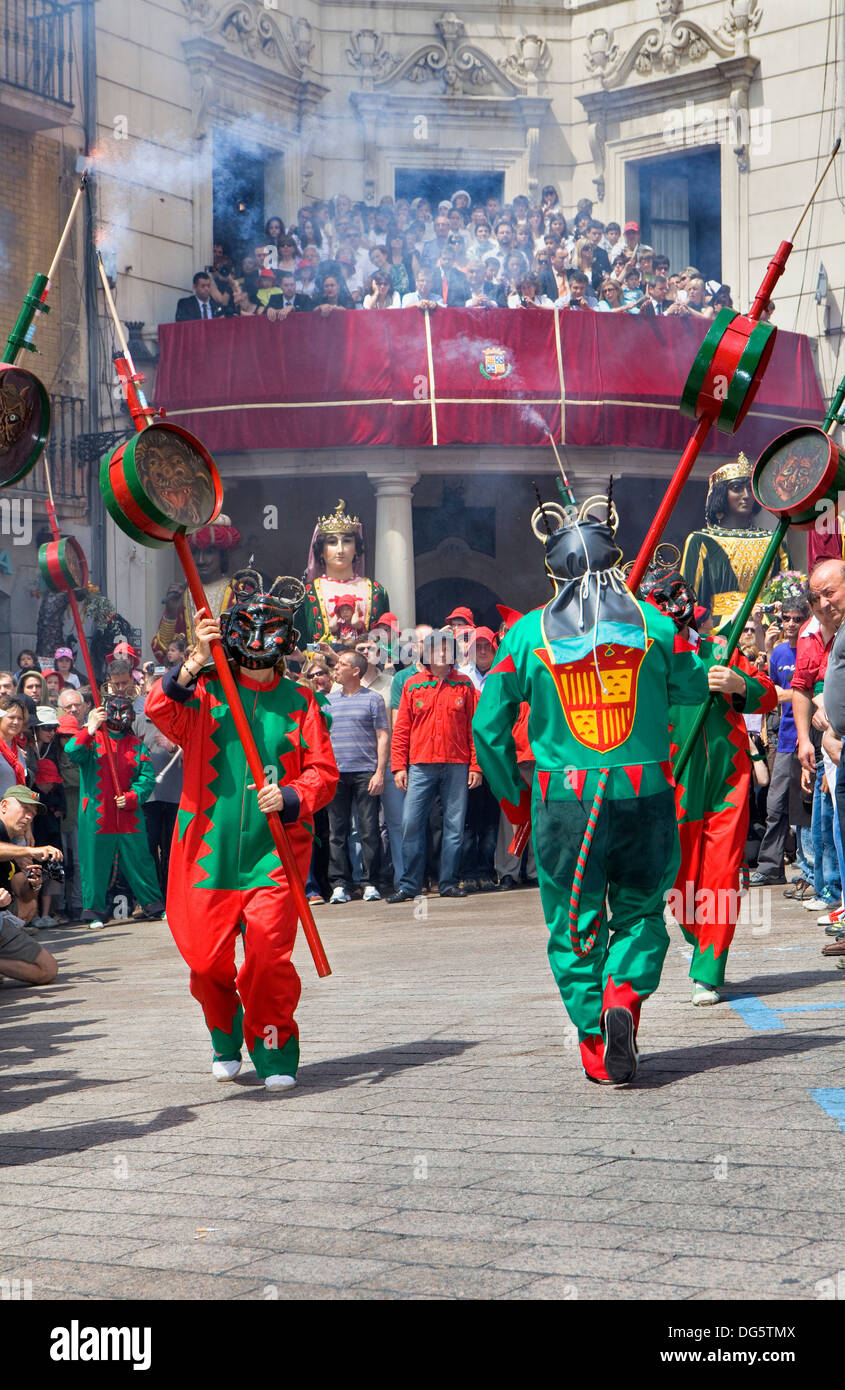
{"type": "Point", "coordinates": [337, 522]}
{"type": "Point", "coordinates": [729, 472]}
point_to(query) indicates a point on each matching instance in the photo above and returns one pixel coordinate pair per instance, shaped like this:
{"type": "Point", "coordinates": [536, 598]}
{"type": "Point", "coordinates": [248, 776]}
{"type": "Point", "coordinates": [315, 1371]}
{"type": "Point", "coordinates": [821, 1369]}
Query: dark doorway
{"type": "Point", "coordinates": [680, 203]}
{"type": "Point", "coordinates": [238, 193]}
{"type": "Point", "coordinates": [436, 600]}
{"type": "Point", "coordinates": [437, 184]}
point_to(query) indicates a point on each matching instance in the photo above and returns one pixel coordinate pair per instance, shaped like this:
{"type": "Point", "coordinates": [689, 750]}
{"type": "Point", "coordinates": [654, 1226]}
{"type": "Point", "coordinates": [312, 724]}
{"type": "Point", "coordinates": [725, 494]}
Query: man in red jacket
{"type": "Point", "coordinates": [433, 751]}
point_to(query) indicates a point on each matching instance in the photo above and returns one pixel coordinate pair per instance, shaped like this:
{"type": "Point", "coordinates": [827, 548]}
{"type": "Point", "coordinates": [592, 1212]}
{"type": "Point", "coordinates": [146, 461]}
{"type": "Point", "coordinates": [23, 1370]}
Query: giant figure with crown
{"type": "Point", "coordinates": [720, 562]}
{"type": "Point", "coordinates": [335, 574]}
{"type": "Point", "coordinates": [212, 547]}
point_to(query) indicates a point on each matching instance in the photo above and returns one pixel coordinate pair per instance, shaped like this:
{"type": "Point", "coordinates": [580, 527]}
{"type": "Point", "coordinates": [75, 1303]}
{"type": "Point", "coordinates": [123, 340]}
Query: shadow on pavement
{"type": "Point", "coordinates": [761, 985]}
{"type": "Point", "coordinates": [381, 1065]}
{"type": "Point", "coordinates": [662, 1068]}
{"type": "Point", "coordinates": [91, 1135]}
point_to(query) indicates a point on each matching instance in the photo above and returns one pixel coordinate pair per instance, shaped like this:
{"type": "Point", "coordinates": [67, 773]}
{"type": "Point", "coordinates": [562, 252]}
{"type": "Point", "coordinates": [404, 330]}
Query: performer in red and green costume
{"type": "Point", "coordinates": [225, 875]}
{"type": "Point", "coordinates": [711, 793]}
{"type": "Point", "coordinates": [112, 828]}
{"type": "Point", "coordinates": [599, 671]}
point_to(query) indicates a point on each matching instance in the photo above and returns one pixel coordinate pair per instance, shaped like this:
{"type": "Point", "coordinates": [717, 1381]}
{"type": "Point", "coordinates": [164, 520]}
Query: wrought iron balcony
{"type": "Point", "coordinates": [36, 48]}
{"type": "Point", "coordinates": [69, 473]}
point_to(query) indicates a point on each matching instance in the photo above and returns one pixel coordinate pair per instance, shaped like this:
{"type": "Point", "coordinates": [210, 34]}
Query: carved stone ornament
{"type": "Point", "coordinates": [529, 61]}
{"type": "Point", "coordinates": [664, 49]}
{"type": "Point", "coordinates": [368, 55]}
{"type": "Point", "coordinates": [257, 30]}
{"type": "Point", "coordinates": [460, 67]}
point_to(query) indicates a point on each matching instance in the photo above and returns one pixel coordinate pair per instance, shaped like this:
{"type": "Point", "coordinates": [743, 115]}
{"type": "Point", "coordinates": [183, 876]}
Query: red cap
{"type": "Point", "coordinates": [344, 601]}
{"type": "Point", "coordinates": [68, 724]}
{"type": "Point", "coordinates": [124, 651]}
{"type": "Point", "coordinates": [386, 620]}
{"type": "Point", "coordinates": [465, 613]}
{"type": "Point", "coordinates": [46, 773]}
{"type": "Point", "coordinates": [486, 634]}
{"type": "Point", "coordinates": [631, 227]}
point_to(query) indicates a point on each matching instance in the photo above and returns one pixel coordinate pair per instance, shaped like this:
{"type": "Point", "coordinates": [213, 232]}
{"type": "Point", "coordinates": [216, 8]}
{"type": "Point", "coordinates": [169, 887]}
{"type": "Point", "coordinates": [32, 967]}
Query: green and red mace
{"type": "Point", "coordinates": [25, 400]}
{"type": "Point", "coordinates": [157, 487]}
{"type": "Point", "coordinates": [64, 569]}
{"type": "Point", "coordinates": [794, 474]}
{"type": "Point", "coordinates": [722, 383]}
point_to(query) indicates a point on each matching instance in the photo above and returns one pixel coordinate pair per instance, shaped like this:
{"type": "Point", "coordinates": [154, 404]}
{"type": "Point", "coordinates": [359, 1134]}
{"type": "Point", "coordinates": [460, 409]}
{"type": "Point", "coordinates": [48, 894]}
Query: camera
{"type": "Point", "coordinates": [49, 869]}
{"type": "Point", "coordinates": [769, 607]}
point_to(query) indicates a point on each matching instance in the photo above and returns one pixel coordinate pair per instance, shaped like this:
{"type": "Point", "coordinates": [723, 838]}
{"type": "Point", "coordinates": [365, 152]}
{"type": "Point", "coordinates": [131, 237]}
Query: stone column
{"type": "Point", "coordinates": [394, 550]}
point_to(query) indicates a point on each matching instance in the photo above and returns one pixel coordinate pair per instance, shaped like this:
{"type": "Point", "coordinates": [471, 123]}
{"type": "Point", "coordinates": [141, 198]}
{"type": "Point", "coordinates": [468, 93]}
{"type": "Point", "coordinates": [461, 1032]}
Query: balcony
{"type": "Point", "coordinates": [36, 64]}
{"type": "Point", "coordinates": [68, 472]}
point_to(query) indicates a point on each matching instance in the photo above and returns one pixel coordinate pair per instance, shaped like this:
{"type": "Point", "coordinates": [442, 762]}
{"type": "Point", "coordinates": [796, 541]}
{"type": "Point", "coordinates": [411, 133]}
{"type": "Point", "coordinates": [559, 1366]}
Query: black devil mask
{"type": "Point", "coordinates": [665, 587]}
{"type": "Point", "coordinates": [259, 631]}
{"type": "Point", "coordinates": [120, 713]}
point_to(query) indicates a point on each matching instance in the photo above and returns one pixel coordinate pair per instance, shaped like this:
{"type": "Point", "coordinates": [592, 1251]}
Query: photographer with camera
{"type": "Point", "coordinates": [21, 871]}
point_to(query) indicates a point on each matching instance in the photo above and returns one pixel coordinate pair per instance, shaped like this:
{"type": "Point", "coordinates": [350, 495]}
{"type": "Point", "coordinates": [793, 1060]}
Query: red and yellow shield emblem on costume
{"type": "Point", "coordinates": [598, 718]}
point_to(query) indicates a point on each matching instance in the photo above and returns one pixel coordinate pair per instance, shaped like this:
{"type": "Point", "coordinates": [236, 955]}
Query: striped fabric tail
{"type": "Point", "coordinates": [578, 876]}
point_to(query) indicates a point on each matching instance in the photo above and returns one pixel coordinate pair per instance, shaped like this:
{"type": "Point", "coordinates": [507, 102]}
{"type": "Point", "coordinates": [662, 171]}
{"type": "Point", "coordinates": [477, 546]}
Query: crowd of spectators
{"type": "Point", "coordinates": [410, 812]}
{"type": "Point", "coordinates": [798, 797]}
{"type": "Point", "coordinates": [341, 255]}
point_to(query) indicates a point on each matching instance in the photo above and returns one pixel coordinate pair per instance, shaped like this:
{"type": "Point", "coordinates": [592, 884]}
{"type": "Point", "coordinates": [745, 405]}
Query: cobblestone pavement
{"type": "Point", "coordinates": [443, 1141]}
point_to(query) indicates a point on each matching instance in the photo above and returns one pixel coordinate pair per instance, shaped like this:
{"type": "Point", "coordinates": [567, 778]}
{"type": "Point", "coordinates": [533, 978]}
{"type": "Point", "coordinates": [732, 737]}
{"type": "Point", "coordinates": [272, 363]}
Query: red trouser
{"type": "Point", "coordinates": [205, 924]}
{"type": "Point", "coordinates": [712, 852]}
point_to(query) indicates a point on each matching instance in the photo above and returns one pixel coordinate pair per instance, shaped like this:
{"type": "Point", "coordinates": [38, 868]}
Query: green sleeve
{"type": "Point", "coordinates": [144, 781]}
{"type": "Point", "coordinates": [686, 675]}
{"type": "Point", "coordinates": [492, 728]}
{"type": "Point", "coordinates": [80, 754]}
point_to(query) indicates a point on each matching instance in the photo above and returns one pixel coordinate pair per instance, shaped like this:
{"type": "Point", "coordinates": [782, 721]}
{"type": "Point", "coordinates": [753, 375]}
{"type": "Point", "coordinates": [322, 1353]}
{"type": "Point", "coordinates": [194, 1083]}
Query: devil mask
{"type": "Point", "coordinates": [120, 713]}
{"type": "Point", "coordinates": [666, 588]}
{"type": "Point", "coordinates": [259, 631]}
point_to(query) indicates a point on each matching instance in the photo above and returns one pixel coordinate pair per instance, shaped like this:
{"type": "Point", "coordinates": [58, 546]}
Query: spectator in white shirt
{"type": "Point", "coordinates": [529, 295]}
{"type": "Point", "coordinates": [423, 296]}
{"type": "Point", "coordinates": [384, 295]}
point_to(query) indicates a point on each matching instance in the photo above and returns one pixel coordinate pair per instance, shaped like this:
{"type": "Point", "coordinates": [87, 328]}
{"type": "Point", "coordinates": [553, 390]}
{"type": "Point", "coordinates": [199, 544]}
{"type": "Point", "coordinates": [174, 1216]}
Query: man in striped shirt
{"type": "Point", "coordinates": [360, 741]}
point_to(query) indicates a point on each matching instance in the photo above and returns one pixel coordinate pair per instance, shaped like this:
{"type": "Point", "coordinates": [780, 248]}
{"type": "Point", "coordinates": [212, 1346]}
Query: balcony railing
{"type": "Point", "coordinates": [36, 50]}
{"type": "Point", "coordinates": [68, 474]}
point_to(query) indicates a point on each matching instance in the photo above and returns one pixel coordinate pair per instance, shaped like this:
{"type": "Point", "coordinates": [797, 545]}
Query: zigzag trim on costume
{"type": "Point", "coordinates": [577, 877]}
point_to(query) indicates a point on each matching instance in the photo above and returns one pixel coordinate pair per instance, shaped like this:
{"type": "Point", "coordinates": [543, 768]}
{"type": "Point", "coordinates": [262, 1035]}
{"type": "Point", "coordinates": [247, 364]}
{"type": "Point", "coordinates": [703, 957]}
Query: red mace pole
{"type": "Point", "coordinates": [101, 736]}
{"type": "Point", "coordinates": [667, 506]}
{"type": "Point", "coordinates": [256, 767]}
{"type": "Point", "coordinates": [724, 361]}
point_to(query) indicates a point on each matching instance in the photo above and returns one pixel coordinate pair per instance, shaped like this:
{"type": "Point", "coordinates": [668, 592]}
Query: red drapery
{"type": "Point", "coordinates": [499, 376]}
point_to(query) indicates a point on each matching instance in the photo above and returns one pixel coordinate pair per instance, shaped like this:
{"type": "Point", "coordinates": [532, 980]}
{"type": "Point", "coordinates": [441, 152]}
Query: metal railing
{"type": "Point", "coordinates": [36, 47]}
{"type": "Point", "coordinates": [68, 474]}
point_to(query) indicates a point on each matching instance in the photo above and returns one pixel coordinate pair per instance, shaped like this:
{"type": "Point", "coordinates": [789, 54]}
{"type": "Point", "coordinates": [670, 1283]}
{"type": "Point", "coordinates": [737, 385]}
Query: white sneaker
{"type": "Point", "coordinates": [704, 994]}
{"type": "Point", "coordinates": [340, 895]}
{"type": "Point", "coordinates": [225, 1071]}
{"type": "Point", "coordinates": [815, 904]}
{"type": "Point", "coordinates": [279, 1083]}
{"type": "Point", "coordinates": [371, 894]}
{"type": "Point", "coordinates": [95, 925]}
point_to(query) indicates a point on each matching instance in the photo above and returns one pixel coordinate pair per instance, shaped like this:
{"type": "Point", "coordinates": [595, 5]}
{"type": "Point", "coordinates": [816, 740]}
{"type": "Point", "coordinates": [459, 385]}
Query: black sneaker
{"type": "Point", "coordinates": [759, 880]}
{"type": "Point", "coordinates": [455, 892]}
{"type": "Point", "coordinates": [506, 882]}
{"type": "Point", "coordinates": [620, 1044]}
{"type": "Point", "coordinates": [400, 897]}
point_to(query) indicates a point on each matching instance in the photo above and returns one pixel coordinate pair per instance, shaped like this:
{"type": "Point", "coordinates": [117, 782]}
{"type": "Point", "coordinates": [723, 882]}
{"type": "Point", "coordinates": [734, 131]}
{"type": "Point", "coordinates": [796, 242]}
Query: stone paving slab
{"type": "Point", "coordinates": [443, 1142]}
